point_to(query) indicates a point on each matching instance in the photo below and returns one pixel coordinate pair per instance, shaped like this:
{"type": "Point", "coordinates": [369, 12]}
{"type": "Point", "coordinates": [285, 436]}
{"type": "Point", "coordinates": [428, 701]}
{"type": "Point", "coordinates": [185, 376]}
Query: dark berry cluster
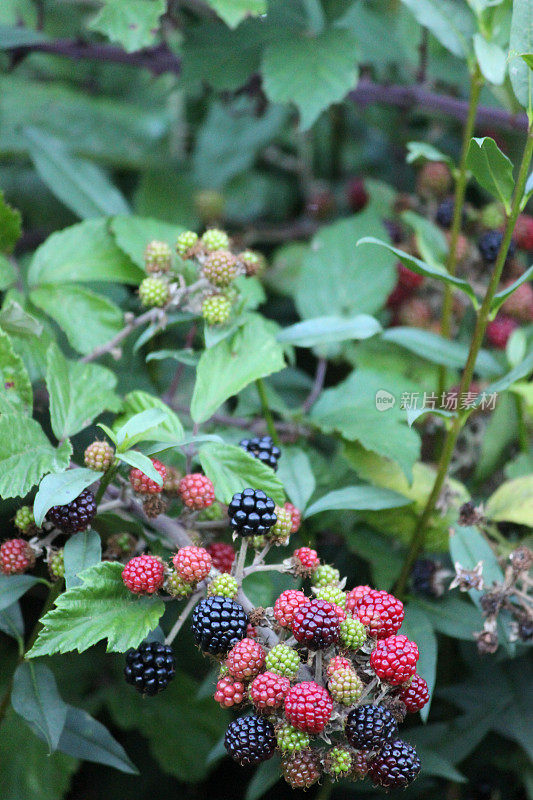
{"type": "Point", "coordinates": [150, 667]}
{"type": "Point", "coordinates": [264, 449]}
{"type": "Point", "coordinates": [250, 740]}
{"type": "Point", "coordinates": [251, 513]}
{"type": "Point", "coordinates": [217, 624]}
{"type": "Point", "coordinates": [76, 515]}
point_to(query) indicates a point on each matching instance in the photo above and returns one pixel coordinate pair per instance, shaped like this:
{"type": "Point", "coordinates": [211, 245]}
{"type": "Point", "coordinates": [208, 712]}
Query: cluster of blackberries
{"type": "Point", "coordinates": [264, 449]}
{"type": "Point", "coordinates": [150, 667]}
{"type": "Point", "coordinates": [76, 515]}
{"type": "Point", "coordinates": [251, 513]}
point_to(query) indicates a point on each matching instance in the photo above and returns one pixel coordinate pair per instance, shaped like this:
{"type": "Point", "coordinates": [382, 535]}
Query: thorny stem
{"type": "Point", "coordinates": [106, 480]}
{"type": "Point", "coordinates": [266, 411]}
{"type": "Point", "coordinates": [458, 201]}
{"type": "Point", "coordinates": [239, 569]}
{"type": "Point", "coordinates": [260, 557]}
{"type": "Point", "coordinates": [419, 534]}
{"type": "Point", "coordinates": [183, 616]}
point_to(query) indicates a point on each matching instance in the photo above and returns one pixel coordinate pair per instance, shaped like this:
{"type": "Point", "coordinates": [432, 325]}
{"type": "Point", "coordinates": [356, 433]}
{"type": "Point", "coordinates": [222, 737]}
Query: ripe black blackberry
{"type": "Point", "coordinates": [250, 740]}
{"type": "Point", "coordinates": [422, 576]}
{"type": "Point", "coordinates": [76, 515]}
{"type": "Point", "coordinates": [217, 624]}
{"type": "Point", "coordinates": [264, 449]}
{"type": "Point", "coordinates": [150, 667]}
{"type": "Point", "coordinates": [444, 215]}
{"type": "Point", "coordinates": [525, 630]}
{"type": "Point", "coordinates": [396, 766]}
{"type": "Point", "coordinates": [369, 727]}
{"type": "Point", "coordinates": [251, 513]}
{"type": "Point", "coordinates": [489, 244]}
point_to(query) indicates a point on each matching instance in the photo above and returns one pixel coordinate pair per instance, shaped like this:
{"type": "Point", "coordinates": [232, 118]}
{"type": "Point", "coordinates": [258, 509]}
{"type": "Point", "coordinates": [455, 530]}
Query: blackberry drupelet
{"type": "Point", "coordinates": [489, 245]}
{"type": "Point", "coordinates": [368, 727]}
{"type": "Point", "coordinates": [264, 449]}
{"type": "Point", "coordinates": [250, 740]}
{"type": "Point", "coordinates": [217, 624]}
{"type": "Point", "coordinates": [251, 513]}
{"type": "Point", "coordinates": [422, 575]}
{"type": "Point", "coordinates": [76, 515]}
{"type": "Point", "coordinates": [396, 766]}
{"type": "Point", "coordinates": [150, 667]}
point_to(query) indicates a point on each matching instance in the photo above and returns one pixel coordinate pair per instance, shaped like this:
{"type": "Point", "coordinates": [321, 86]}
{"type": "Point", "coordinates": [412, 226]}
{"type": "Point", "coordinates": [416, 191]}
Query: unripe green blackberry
{"type": "Point", "coordinates": [283, 660]}
{"type": "Point", "coordinates": [176, 586]}
{"type": "Point", "coordinates": [24, 520]}
{"type": "Point", "coordinates": [211, 513]}
{"type": "Point", "coordinates": [185, 241]}
{"type": "Point", "coordinates": [216, 309]}
{"type": "Point", "coordinates": [220, 268]}
{"type": "Point", "coordinates": [120, 545]}
{"type": "Point", "coordinates": [282, 529]}
{"type": "Point", "coordinates": [301, 769]}
{"type": "Point", "coordinates": [325, 575]}
{"type": "Point", "coordinates": [493, 216]}
{"type": "Point", "coordinates": [56, 564]}
{"type": "Point", "coordinates": [157, 257]}
{"type": "Point", "coordinates": [338, 762]}
{"type": "Point", "coordinates": [345, 686]}
{"type": "Point", "coordinates": [254, 263]}
{"type": "Point", "coordinates": [291, 739]}
{"type": "Point", "coordinates": [224, 586]}
{"type": "Point", "coordinates": [332, 594]}
{"type": "Point", "coordinates": [258, 542]}
{"type": "Point", "coordinates": [353, 633]}
{"type": "Point", "coordinates": [209, 204]}
{"type": "Point", "coordinates": [154, 292]}
{"type": "Point", "coordinates": [215, 239]}
{"type": "Point", "coordinates": [99, 456]}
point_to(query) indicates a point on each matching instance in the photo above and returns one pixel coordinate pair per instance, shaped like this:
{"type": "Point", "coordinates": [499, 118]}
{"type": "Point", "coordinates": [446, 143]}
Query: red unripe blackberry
{"type": "Point", "coordinates": [250, 740]}
{"type": "Point", "coordinates": [398, 295]}
{"type": "Point", "coordinates": [408, 278]}
{"type": "Point", "coordinates": [308, 707]}
{"type": "Point", "coordinates": [394, 659]}
{"type": "Point", "coordinates": [316, 624]}
{"type": "Point", "coordinates": [306, 560]}
{"type": "Point", "coordinates": [287, 603]}
{"type": "Point", "coordinates": [357, 194]}
{"type": "Point", "coordinates": [74, 516]}
{"type": "Point", "coordinates": [296, 516]}
{"type": "Point", "coordinates": [338, 662]}
{"type": "Point", "coordinates": [150, 667]}
{"type": "Point", "coordinates": [229, 692]}
{"type": "Point", "coordinates": [142, 484]}
{"type": "Point", "coordinates": [416, 695]}
{"type": "Point", "coordinates": [217, 624]}
{"type": "Point", "coordinates": [434, 179]}
{"type": "Point", "coordinates": [16, 556]}
{"type": "Point", "coordinates": [196, 491]}
{"type": "Point", "coordinates": [523, 232]}
{"type": "Point", "coordinates": [520, 303]}
{"type": "Point", "coordinates": [157, 257]}
{"type": "Point", "coordinates": [369, 727]}
{"type": "Point", "coordinates": [245, 659]}
{"type": "Point", "coordinates": [396, 766]}
{"type": "Point", "coordinates": [268, 690]}
{"type": "Point", "coordinates": [144, 574]}
{"type": "Point", "coordinates": [222, 556]}
{"type": "Point", "coordinates": [381, 613]}
{"type": "Point", "coordinates": [499, 330]}
{"type": "Point", "coordinates": [99, 456]}
{"type": "Point", "coordinates": [415, 312]}
{"type": "Point", "coordinates": [192, 563]}
{"type": "Point", "coordinates": [355, 595]}
{"type": "Point", "coordinates": [301, 769]}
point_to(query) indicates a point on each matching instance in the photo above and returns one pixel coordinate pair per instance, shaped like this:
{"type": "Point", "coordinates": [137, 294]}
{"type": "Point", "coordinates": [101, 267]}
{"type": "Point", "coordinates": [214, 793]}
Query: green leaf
{"type": "Point", "coordinates": [491, 58]}
{"type": "Point", "coordinates": [132, 234]}
{"type": "Point", "coordinates": [12, 622]}
{"type": "Point", "coordinates": [81, 185]}
{"type": "Point", "coordinates": [225, 369]}
{"type": "Point", "coordinates": [296, 475]}
{"type": "Point", "coordinates": [418, 628]}
{"type": "Point", "coordinates": [184, 356]}
{"type": "Point", "coordinates": [321, 70]}
{"type": "Point", "coordinates": [421, 268]}
{"type": "Point", "coordinates": [441, 19]}
{"type": "Point", "coordinates": [78, 392]}
{"type": "Point", "coordinates": [8, 274]}
{"type": "Point", "coordinates": [100, 608]}
{"type": "Point", "coordinates": [14, 320]}
{"type": "Point", "coordinates": [88, 319]}
{"type": "Point", "coordinates": [421, 151]}
{"type": "Point", "coordinates": [264, 778]}
{"type": "Point", "coordinates": [169, 429]}
{"type": "Point", "coordinates": [512, 502]}
{"type": "Point", "coordinates": [499, 299]}
{"type": "Point", "coordinates": [61, 488]}
{"type": "Point", "coordinates": [80, 253]}
{"type": "Point", "coordinates": [323, 330]}
{"type": "Point", "coordinates": [82, 551]}
{"type": "Point", "coordinates": [452, 616]}
{"type": "Point", "coordinates": [335, 276]}
{"type": "Point", "coordinates": [16, 394]}
{"type": "Point", "coordinates": [491, 168]}
{"type": "Point", "coordinates": [36, 699]}
{"type": "Point", "coordinates": [86, 738]}
{"type": "Point", "coordinates": [517, 373]}
{"type": "Point", "coordinates": [14, 586]}
{"type": "Point", "coordinates": [26, 455]}
{"type": "Point", "coordinates": [357, 498]}
{"type": "Point", "coordinates": [521, 41]}
{"type": "Point", "coordinates": [430, 240]}
{"type": "Point", "coordinates": [438, 350]}
{"type": "Point", "coordinates": [351, 409]}
{"type": "Point", "coordinates": [232, 469]}
{"type": "Point", "coordinates": [469, 547]}
{"type": "Point", "coordinates": [10, 226]}
{"type": "Point", "coordinates": [15, 36]}
{"type": "Point", "coordinates": [234, 11]}
{"type": "Point", "coordinates": [131, 23]}
{"type": "Point", "coordinates": [142, 462]}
